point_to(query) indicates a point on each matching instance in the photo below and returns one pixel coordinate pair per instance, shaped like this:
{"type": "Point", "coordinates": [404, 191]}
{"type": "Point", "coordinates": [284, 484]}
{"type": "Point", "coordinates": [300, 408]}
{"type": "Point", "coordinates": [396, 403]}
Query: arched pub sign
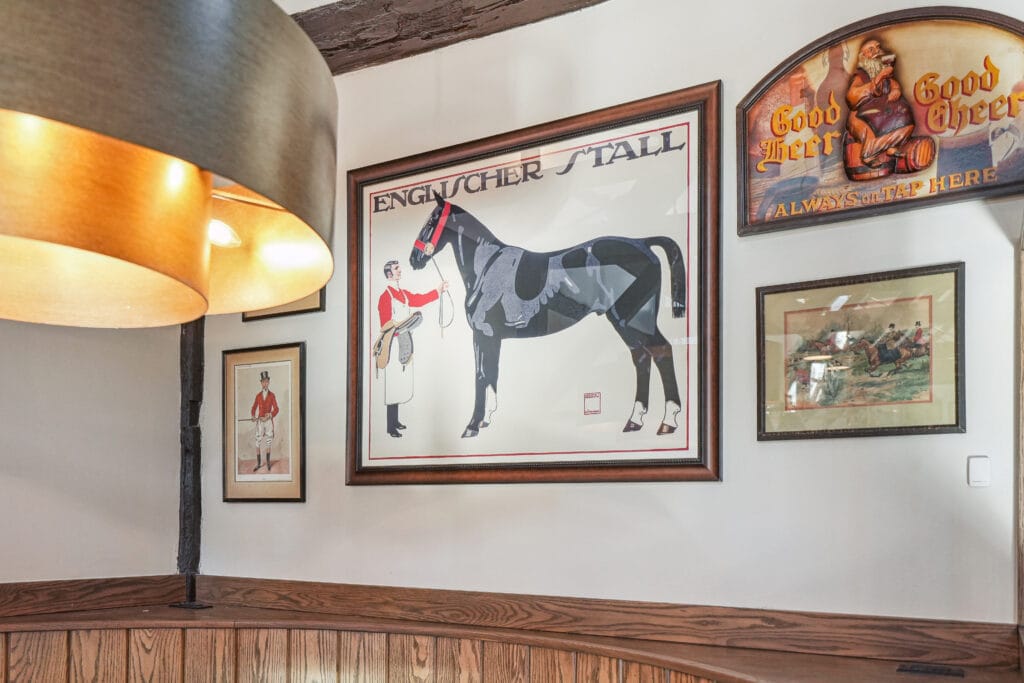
{"type": "Point", "coordinates": [902, 110]}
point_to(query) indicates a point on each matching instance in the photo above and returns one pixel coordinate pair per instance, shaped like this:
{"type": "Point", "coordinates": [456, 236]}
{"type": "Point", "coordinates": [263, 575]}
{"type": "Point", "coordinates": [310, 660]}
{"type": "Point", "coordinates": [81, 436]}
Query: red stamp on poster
{"type": "Point", "coordinates": [592, 403]}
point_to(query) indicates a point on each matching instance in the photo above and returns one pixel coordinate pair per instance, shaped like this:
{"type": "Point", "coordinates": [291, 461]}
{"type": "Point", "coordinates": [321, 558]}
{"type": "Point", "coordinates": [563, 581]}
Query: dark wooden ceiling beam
{"type": "Point", "coordinates": [352, 34]}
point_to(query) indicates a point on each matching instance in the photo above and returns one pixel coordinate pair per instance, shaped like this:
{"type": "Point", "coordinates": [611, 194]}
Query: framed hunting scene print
{"type": "Point", "coordinates": [265, 423]}
{"type": "Point", "coordinates": [869, 355]}
{"type": "Point", "coordinates": [541, 305]}
{"type": "Point", "coordinates": [906, 109]}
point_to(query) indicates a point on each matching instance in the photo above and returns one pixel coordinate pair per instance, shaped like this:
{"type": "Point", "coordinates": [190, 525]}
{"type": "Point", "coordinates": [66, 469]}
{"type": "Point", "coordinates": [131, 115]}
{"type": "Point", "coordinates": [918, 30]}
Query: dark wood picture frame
{"type": "Point", "coordinates": [279, 471]}
{"type": "Point", "coordinates": [798, 165]}
{"type": "Point", "coordinates": [832, 361]}
{"type": "Point", "coordinates": [314, 303]}
{"type": "Point", "coordinates": [702, 105]}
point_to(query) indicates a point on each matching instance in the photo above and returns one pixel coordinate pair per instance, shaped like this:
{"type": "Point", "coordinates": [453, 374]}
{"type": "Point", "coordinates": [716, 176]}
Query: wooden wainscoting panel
{"type": "Point", "coordinates": [410, 659]}
{"type": "Point", "coordinates": [596, 669]}
{"type": "Point", "coordinates": [37, 656]}
{"type": "Point", "coordinates": [210, 655]}
{"type": "Point", "coordinates": [459, 660]}
{"type": "Point", "coordinates": [506, 662]}
{"type": "Point", "coordinates": [47, 597]}
{"type": "Point", "coordinates": [680, 677]}
{"type": "Point", "coordinates": [155, 655]}
{"type": "Point", "coordinates": [3, 658]}
{"type": "Point", "coordinates": [262, 655]}
{"type": "Point", "coordinates": [932, 641]}
{"type": "Point", "coordinates": [632, 672]}
{"type": "Point", "coordinates": [362, 657]}
{"type": "Point", "coordinates": [313, 656]}
{"type": "Point", "coordinates": [552, 666]}
{"type": "Point", "coordinates": [98, 655]}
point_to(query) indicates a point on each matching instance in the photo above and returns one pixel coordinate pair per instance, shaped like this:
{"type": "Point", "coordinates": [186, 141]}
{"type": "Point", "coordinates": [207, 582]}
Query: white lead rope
{"type": "Point", "coordinates": [440, 301]}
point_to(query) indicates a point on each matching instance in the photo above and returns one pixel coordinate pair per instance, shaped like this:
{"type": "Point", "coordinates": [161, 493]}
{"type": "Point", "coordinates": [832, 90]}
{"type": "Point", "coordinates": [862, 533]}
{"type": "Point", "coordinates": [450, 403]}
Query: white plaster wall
{"type": "Point", "coordinates": [89, 454]}
{"type": "Point", "coordinates": [881, 526]}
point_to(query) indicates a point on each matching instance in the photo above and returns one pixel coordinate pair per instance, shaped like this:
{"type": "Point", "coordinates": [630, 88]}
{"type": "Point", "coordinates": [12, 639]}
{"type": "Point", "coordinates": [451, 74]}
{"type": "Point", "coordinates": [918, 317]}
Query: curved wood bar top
{"type": "Point", "coordinates": [122, 629]}
{"type": "Point", "coordinates": [186, 632]}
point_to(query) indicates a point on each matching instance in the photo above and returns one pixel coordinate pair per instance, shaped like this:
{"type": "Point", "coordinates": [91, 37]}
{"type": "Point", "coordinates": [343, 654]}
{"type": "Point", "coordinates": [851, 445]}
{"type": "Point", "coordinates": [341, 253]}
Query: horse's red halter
{"type": "Point", "coordinates": [429, 249]}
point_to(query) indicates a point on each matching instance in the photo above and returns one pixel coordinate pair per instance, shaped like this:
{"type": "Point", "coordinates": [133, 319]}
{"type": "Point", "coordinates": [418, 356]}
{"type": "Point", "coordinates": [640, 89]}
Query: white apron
{"type": "Point", "coordinates": [397, 378]}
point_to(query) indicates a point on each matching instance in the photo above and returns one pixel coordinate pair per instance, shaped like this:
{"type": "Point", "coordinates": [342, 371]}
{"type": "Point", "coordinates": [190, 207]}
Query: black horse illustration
{"type": "Point", "coordinates": [512, 293]}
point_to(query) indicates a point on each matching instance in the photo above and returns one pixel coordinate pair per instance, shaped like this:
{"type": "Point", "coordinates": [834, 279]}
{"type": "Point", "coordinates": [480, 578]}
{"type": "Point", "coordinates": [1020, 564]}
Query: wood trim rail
{"type": "Point", "coordinates": [955, 643]}
{"type": "Point", "coordinates": [46, 597]}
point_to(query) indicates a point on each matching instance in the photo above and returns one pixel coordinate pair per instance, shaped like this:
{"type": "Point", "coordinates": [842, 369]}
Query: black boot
{"type": "Point", "coordinates": [259, 461]}
{"type": "Point", "coordinates": [268, 461]}
{"type": "Point", "coordinates": [393, 424]}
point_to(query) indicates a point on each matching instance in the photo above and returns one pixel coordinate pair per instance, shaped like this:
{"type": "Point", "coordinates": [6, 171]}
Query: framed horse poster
{"type": "Point", "coordinates": [541, 305]}
{"type": "Point", "coordinates": [870, 355]}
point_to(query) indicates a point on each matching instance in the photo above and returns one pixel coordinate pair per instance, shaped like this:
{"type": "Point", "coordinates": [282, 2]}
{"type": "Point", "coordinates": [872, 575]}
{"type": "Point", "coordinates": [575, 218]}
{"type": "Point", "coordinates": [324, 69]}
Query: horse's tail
{"type": "Point", "coordinates": [677, 272]}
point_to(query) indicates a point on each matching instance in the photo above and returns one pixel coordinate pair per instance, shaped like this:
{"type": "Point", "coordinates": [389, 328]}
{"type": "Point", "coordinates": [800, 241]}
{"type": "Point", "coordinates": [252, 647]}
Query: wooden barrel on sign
{"type": "Point", "coordinates": [916, 154]}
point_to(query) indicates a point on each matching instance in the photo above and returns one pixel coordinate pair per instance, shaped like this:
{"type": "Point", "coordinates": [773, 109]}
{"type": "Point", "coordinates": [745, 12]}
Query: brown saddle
{"type": "Point", "coordinates": [382, 344]}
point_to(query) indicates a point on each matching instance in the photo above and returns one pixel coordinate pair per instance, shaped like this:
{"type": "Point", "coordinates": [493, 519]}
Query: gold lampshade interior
{"type": "Point", "coordinates": [98, 232]}
{"type": "Point", "coordinates": [278, 259]}
{"type": "Point", "coordinates": [94, 230]}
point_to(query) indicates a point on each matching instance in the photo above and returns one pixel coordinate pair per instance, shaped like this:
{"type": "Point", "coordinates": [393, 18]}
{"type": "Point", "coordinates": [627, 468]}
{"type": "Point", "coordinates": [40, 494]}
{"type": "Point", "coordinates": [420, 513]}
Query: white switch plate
{"type": "Point", "coordinates": [979, 470]}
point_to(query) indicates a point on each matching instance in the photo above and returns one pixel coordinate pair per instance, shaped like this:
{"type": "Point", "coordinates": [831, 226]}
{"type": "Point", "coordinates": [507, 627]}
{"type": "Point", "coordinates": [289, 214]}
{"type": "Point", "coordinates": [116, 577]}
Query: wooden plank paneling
{"type": "Point", "coordinates": [679, 677]}
{"type": "Point", "coordinates": [37, 656]}
{"type": "Point", "coordinates": [410, 659]}
{"type": "Point", "coordinates": [352, 35]}
{"type": "Point", "coordinates": [262, 655]}
{"type": "Point", "coordinates": [47, 597]}
{"type": "Point", "coordinates": [596, 669]}
{"type": "Point", "coordinates": [459, 660]}
{"type": "Point", "coordinates": [155, 655]}
{"type": "Point", "coordinates": [552, 666]}
{"type": "Point", "coordinates": [3, 658]}
{"type": "Point", "coordinates": [633, 672]}
{"type": "Point", "coordinates": [313, 656]}
{"type": "Point", "coordinates": [362, 657]}
{"type": "Point", "coordinates": [210, 655]}
{"type": "Point", "coordinates": [957, 643]}
{"type": "Point", "coordinates": [506, 663]}
{"type": "Point", "coordinates": [98, 655]}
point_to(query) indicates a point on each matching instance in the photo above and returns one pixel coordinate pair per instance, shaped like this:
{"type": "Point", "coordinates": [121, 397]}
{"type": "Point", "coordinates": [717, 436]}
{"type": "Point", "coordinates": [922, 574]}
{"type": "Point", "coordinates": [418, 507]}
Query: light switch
{"type": "Point", "coordinates": [979, 470]}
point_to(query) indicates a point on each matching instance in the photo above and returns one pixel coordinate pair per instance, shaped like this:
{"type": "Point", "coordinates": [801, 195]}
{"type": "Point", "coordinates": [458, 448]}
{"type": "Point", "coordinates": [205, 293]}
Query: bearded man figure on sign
{"type": "Point", "coordinates": [879, 129]}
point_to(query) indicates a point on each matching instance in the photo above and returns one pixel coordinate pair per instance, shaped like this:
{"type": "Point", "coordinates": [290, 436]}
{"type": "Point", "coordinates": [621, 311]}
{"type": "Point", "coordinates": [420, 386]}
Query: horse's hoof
{"type": "Point", "coordinates": [470, 432]}
{"type": "Point", "coordinates": [632, 427]}
{"type": "Point", "coordinates": [665, 429]}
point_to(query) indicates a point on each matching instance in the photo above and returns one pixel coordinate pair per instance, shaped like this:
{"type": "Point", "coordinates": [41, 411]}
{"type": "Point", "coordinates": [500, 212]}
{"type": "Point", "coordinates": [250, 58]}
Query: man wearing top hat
{"type": "Point", "coordinates": [264, 410]}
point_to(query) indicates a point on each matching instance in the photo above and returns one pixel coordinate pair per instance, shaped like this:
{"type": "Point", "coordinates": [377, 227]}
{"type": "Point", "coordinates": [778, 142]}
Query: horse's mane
{"type": "Point", "coordinates": [473, 229]}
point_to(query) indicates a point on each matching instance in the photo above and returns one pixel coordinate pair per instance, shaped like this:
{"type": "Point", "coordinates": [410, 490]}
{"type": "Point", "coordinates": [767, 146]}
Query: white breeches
{"type": "Point", "coordinates": [264, 434]}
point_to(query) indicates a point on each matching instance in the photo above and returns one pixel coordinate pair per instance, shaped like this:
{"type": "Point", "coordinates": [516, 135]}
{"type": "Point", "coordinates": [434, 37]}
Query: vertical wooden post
{"type": "Point", "coordinates": [190, 510]}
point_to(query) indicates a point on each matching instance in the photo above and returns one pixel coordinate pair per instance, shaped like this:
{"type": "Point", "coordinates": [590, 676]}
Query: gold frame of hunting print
{"type": "Point", "coordinates": [902, 110]}
{"type": "Point", "coordinates": [264, 423]}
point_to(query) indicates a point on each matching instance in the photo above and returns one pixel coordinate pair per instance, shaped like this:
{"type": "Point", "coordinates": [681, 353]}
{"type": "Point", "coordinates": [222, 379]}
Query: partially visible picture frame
{"type": "Point", "coordinates": [264, 423]}
{"type": "Point", "coordinates": [581, 258]}
{"type": "Point", "coordinates": [313, 303]}
{"type": "Point", "coordinates": [880, 354]}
